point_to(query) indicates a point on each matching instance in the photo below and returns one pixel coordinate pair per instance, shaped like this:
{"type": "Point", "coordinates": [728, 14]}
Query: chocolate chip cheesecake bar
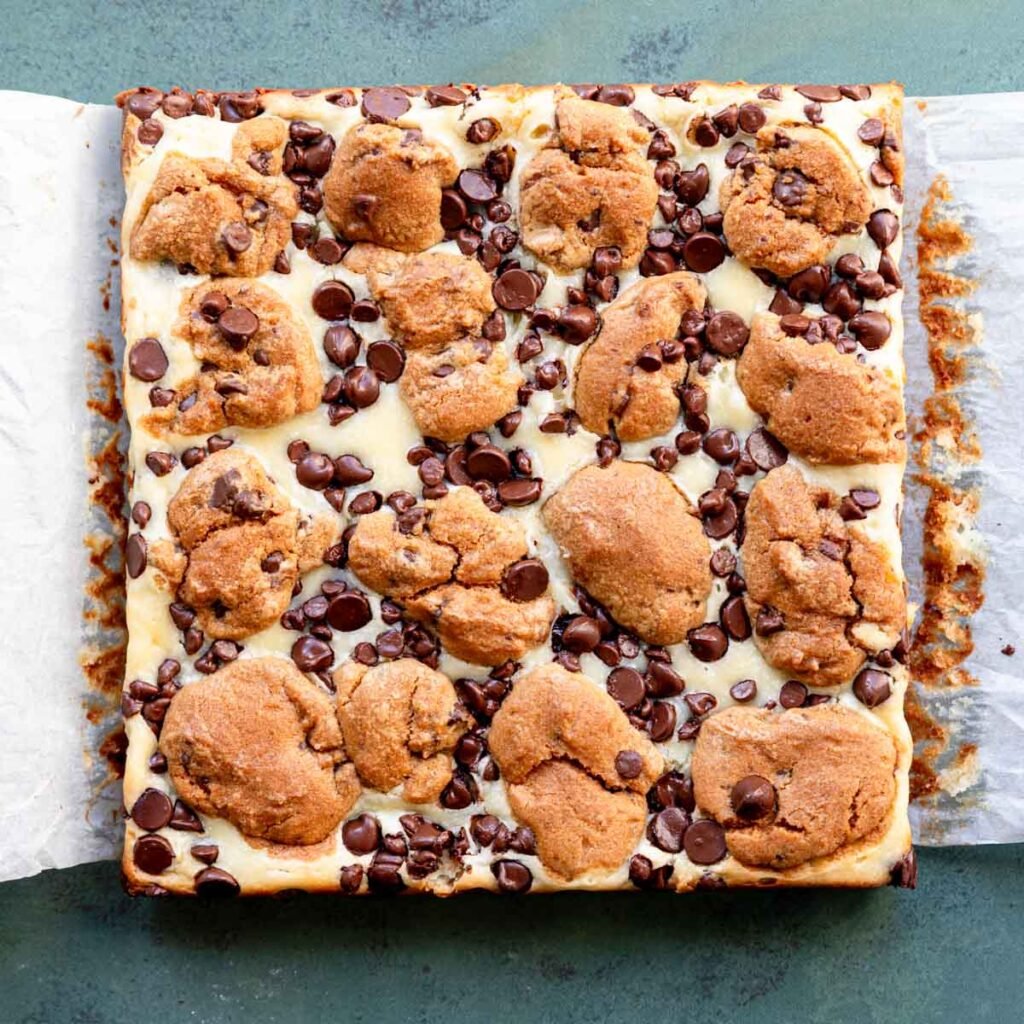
{"type": "Point", "coordinates": [516, 477]}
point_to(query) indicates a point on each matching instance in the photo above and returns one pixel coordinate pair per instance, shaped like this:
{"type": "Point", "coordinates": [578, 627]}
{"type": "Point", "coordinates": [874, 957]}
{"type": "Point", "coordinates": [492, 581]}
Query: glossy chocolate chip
{"type": "Point", "coordinates": [152, 854]}
{"type": "Point", "coordinates": [525, 580]}
{"type": "Point", "coordinates": [515, 290]}
{"type": "Point", "coordinates": [384, 103]}
{"type": "Point", "coordinates": [386, 359]}
{"type": "Point", "coordinates": [708, 642]}
{"type": "Point", "coordinates": [872, 687]}
{"type": "Point", "coordinates": [136, 555]}
{"type": "Point", "coordinates": [361, 835]}
{"type": "Point", "coordinates": [152, 810]}
{"type": "Point", "coordinates": [512, 876]}
{"type": "Point", "coordinates": [332, 300]}
{"type": "Point", "coordinates": [216, 882]}
{"type": "Point", "coordinates": [147, 360]}
{"type": "Point", "coordinates": [704, 842]}
{"type": "Point", "coordinates": [667, 829]}
{"type": "Point", "coordinates": [726, 333]}
{"type": "Point", "coordinates": [626, 687]}
{"type": "Point", "coordinates": [349, 611]}
{"type": "Point", "coordinates": [753, 798]}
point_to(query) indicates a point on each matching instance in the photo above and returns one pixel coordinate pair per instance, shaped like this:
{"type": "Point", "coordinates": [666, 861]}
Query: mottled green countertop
{"type": "Point", "coordinates": [74, 949]}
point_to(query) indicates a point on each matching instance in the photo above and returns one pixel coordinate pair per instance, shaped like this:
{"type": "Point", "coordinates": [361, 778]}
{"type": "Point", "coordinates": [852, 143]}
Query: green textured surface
{"type": "Point", "coordinates": [74, 949]}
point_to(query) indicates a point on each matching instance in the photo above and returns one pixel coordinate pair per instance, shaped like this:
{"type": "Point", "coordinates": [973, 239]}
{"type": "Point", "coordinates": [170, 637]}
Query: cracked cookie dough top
{"type": "Point", "coordinates": [576, 770]}
{"type": "Point", "coordinates": [632, 540]}
{"type": "Point", "coordinates": [822, 596]}
{"type": "Point", "coordinates": [593, 189]}
{"type": "Point", "coordinates": [243, 545]}
{"type": "Point", "coordinates": [821, 403]}
{"type": "Point", "coordinates": [794, 786]}
{"type": "Point", "coordinates": [616, 389]}
{"type": "Point", "coordinates": [384, 186]}
{"type": "Point", "coordinates": [257, 743]}
{"type": "Point", "coordinates": [401, 722]}
{"type": "Point", "coordinates": [786, 204]}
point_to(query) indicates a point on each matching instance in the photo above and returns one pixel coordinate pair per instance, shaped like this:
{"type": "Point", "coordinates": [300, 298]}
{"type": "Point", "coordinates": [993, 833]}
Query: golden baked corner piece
{"type": "Point", "coordinates": [515, 489]}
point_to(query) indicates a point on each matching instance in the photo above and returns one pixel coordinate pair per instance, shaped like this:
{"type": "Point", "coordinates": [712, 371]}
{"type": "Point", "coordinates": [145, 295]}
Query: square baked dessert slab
{"type": "Point", "coordinates": [515, 489]}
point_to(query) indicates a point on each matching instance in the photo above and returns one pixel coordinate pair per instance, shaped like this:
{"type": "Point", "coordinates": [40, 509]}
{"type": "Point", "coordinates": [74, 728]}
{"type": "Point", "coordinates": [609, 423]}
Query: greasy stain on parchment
{"type": "Point", "coordinates": [944, 446]}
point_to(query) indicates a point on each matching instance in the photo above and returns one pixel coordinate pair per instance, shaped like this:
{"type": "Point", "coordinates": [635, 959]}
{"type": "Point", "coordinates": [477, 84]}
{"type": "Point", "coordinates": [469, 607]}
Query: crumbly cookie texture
{"type": "Point", "coordinates": [593, 188]}
{"type": "Point", "coordinates": [384, 186]}
{"type": "Point", "coordinates": [447, 564]}
{"type": "Point", "coordinates": [615, 388]}
{"type": "Point", "coordinates": [786, 206]}
{"type": "Point", "coordinates": [576, 770]}
{"type": "Point", "coordinates": [514, 488]}
{"type": "Point", "coordinates": [633, 541]}
{"type": "Point", "coordinates": [244, 547]}
{"type": "Point", "coordinates": [258, 366]}
{"type": "Point", "coordinates": [822, 404]}
{"type": "Point", "coordinates": [258, 744]}
{"type": "Point", "coordinates": [401, 722]}
{"type": "Point", "coordinates": [792, 787]}
{"type": "Point", "coordinates": [822, 596]}
{"type": "Point", "coordinates": [215, 217]}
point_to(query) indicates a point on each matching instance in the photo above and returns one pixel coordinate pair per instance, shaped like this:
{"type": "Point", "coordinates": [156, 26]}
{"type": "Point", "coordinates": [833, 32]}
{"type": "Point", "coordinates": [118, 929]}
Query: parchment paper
{"type": "Point", "coordinates": [60, 199]}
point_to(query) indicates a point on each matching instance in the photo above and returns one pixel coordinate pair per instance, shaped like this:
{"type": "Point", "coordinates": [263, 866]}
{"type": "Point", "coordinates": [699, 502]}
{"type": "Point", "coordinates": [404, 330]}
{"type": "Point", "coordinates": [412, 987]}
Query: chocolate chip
{"type": "Point", "coordinates": [362, 386]}
{"type": "Point", "coordinates": [904, 873]}
{"type": "Point", "coordinates": [707, 642]}
{"type": "Point", "coordinates": [629, 764]}
{"type": "Point", "coordinates": [515, 290]}
{"type": "Point", "coordinates": [726, 333]}
{"type": "Point", "coordinates": [767, 451]}
{"type": "Point", "coordinates": [152, 854]}
{"type": "Point", "coordinates": [349, 611]}
{"type": "Point", "coordinates": [872, 687]}
{"type": "Point", "coordinates": [236, 237]}
{"type": "Point", "coordinates": [384, 873]}
{"type": "Point", "coordinates": [519, 492]}
{"type": "Point", "coordinates": [238, 325]}
{"type": "Point", "coordinates": [753, 798]}
{"type": "Point", "coordinates": [743, 691]}
{"type": "Point", "coordinates": [883, 227]}
{"type": "Point", "coordinates": [361, 835]}
{"type": "Point", "coordinates": [644, 875]}
{"type": "Point", "coordinates": [332, 300]}
{"type": "Point", "coordinates": [673, 789]}
{"type": "Point", "coordinates": [626, 686]}
{"type": "Point", "coordinates": [144, 102]}
{"type": "Point", "coordinates": [160, 463]}
{"type": "Point", "coordinates": [341, 344]}
{"type": "Point", "coordinates": [871, 328]}
{"type": "Point", "coordinates": [207, 853]}
{"type": "Point", "coordinates": [577, 323]}
{"type": "Point", "coordinates": [525, 580]}
{"type": "Point", "coordinates": [135, 553]}
{"type": "Point", "coordinates": [312, 655]}
{"type": "Point", "coordinates": [445, 96]}
{"type": "Point", "coordinates": [789, 188]}
{"type": "Point", "coordinates": [581, 634]}
{"type": "Point", "coordinates": [840, 300]}
{"type": "Point", "coordinates": [184, 819]}
{"type": "Point", "coordinates": [150, 132]}
{"type": "Point", "coordinates": [810, 284]}
{"type": "Point", "coordinates": [871, 132]}
{"type": "Point", "coordinates": [667, 828]}
{"type": "Point", "coordinates": [704, 842]}
{"type": "Point", "coordinates": [820, 93]}
{"type": "Point", "coordinates": [482, 130]}
{"type": "Point", "coordinates": [476, 186]}
{"type": "Point", "coordinates": [733, 616]}
{"type": "Point", "coordinates": [662, 721]}
{"type": "Point", "coordinates": [147, 360]}
{"type": "Point", "coordinates": [238, 106]}
{"type": "Point", "coordinates": [704, 132]}
{"type": "Point", "coordinates": [793, 694]}
{"type": "Point", "coordinates": [722, 445]}
{"type": "Point", "coordinates": [350, 471]}
{"type": "Point", "coordinates": [663, 680]}
{"type": "Point", "coordinates": [751, 118]}
{"type": "Point", "coordinates": [314, 471]}
{"type": "Point", "coordinates": [216, 882]}
{"type": "Point", "coordinates": [703, 252]}
{"type": "Point", "coordinates": [152, 810]}
{"type": "Point", "coordinates": [384, 103]}
{"type": "Point", "coordinates": [488, 462]}
{"type": "Point", "coordinates": [326, 250]}
{"type": "Point", "coordinates": [512, 876]}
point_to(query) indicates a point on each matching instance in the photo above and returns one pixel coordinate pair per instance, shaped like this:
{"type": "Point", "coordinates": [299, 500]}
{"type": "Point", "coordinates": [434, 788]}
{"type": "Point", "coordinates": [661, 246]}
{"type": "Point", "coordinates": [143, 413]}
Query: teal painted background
{"type": "Point", "coordinates": [74, 949]}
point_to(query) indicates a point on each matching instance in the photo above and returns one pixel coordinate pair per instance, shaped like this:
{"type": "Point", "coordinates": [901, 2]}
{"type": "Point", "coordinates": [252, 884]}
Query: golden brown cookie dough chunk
{"type": "Point", "coordinates": [215, 217]}
{"type": "Point", "coordinates": [576, 771]}
{"type": "Point", "coordinates": [259, 367]}
{"type": "Point", "coordinates": [258, 744]}
{"type": "Point", "coordinates": [401, 721]}
{"type": "Point", "coordinates": [820, 403]}
{"type": "Point", "coordinates": [623, 380]}
{"type": "Point", "coordinates": [785, 210]}
{"type": "Point", "coordinates": [792, 787]}
{"type": "Point", "coordinates": [464, 387]}
{"type": "Point", "coordinates": [244, 545]}
{"type": "Point", "coordinates": [593, 188]}
{"type": "Point", "coordinates": [821, 594]}
{"type": "Point", "coordinates": [634, 542]}
{"type": "Point", "coordinates": [434, 298]}
{"type": "Point", "coordinates": [384, 186]}
{"type": "Point", "coordinates": [456, 565]}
